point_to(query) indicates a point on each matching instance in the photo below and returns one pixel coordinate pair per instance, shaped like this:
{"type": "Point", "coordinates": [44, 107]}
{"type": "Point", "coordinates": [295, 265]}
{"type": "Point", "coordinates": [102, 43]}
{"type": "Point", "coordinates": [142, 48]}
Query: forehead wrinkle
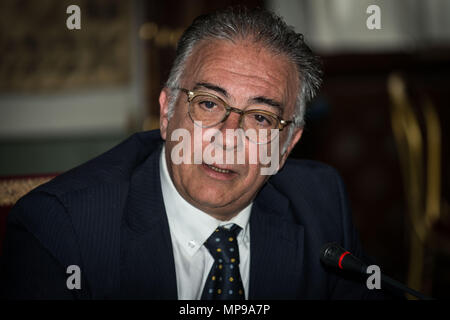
{"type": "Point", "coordinates": [253, 80]}
{"type": "Point", "coordinates": [244, 66]}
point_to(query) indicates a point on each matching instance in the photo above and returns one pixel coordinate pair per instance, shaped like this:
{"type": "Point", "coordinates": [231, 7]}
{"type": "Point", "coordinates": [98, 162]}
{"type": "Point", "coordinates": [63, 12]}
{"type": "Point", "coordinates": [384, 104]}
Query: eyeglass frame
{"type": "Point", "coordinates": [192, 94]}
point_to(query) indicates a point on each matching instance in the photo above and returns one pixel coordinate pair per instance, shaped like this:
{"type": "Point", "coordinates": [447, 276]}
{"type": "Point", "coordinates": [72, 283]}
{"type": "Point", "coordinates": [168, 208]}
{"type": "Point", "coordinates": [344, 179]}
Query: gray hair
{"type": "Point", "coordinates": [261, 26]}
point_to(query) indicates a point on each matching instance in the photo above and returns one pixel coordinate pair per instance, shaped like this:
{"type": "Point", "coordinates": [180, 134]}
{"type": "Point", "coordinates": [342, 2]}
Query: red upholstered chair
{"type": "Point", "coordinates": [12, 188]}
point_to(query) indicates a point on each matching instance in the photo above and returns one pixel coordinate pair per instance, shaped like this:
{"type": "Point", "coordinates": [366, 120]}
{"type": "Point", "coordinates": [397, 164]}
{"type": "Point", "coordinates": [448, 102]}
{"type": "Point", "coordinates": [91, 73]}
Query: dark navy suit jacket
{"type": "Point", "coordinates": [107, 216]}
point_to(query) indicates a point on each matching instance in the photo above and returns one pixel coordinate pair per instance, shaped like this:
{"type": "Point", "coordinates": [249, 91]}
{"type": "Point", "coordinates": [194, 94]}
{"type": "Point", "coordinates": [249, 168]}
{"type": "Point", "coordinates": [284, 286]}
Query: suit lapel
{"type": "Point", "coordinates": [276, 248]}
{"type": "Point", "coordinates": [148, 268]}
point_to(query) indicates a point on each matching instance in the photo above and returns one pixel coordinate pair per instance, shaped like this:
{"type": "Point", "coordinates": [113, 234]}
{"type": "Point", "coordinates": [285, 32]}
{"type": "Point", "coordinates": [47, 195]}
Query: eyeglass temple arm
{"type": "Point", "coordinates": [284, 123]}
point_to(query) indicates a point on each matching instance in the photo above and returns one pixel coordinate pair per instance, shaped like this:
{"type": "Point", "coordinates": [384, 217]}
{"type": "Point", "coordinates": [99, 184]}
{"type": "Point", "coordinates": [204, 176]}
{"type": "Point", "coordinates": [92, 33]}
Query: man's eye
{"type": "Point", "coordinates": [208, 104]}
{"type": "Point", "coordinates": [262, 119]}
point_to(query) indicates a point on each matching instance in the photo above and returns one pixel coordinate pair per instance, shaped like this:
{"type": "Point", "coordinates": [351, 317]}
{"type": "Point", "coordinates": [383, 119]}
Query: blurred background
{"type": "Point", "coordinates": [380, 118]}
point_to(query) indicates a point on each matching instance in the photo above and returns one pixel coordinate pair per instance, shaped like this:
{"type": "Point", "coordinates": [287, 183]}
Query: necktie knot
{"type": "Point", "coordinates": [223, 245]}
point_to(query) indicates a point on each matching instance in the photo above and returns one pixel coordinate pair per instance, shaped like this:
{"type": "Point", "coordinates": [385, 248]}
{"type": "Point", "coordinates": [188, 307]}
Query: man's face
{"type": "Point", "coordinates": [239, 73]}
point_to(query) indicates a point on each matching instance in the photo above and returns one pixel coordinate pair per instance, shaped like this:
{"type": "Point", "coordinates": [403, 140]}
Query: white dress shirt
{"type": "Point", "coordinates": [189, 229]}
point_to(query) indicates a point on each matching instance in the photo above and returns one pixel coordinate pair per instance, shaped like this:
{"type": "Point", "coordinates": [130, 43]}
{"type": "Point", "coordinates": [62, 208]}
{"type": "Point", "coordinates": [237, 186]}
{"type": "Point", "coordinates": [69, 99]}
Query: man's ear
{"type": "Point", "coordinates": [164, 112]}
{"type": "Point", "coordinates": [297, 135]}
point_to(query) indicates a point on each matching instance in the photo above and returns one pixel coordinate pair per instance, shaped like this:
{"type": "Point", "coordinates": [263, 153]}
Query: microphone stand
{"type": "Point", "coordinates": [398, 285]}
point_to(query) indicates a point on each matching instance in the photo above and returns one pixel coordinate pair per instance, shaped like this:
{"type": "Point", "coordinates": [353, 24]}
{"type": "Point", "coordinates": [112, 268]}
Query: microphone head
{"type": "Point", "coordinates": [333, 255]}
{"type": "Point", "coordinates": [330, 254]}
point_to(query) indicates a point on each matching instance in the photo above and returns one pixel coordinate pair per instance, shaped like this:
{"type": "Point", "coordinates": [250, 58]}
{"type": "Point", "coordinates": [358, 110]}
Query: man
{"type": "Point", "coordinates": [150, 219]}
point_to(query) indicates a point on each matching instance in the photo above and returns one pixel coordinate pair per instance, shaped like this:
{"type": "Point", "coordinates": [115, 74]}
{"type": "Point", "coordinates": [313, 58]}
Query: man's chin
{"type": "Point", "coordinates": [212, 203]}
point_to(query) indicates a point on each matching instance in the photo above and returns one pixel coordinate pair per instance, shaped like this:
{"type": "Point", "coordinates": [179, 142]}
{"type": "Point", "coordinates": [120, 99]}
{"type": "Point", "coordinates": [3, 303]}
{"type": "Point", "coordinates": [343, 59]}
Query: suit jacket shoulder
{"type": "Point", "coordinates": [113, 166]}
{"type": "Point", "coordinates": [72, 220]}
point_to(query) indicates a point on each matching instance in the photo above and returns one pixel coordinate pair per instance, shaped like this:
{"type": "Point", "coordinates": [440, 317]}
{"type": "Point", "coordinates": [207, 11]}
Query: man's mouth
{"type": "Point", "coordinates": [218, 169]}
{"type": "Point", "coordinates": [219, 173]}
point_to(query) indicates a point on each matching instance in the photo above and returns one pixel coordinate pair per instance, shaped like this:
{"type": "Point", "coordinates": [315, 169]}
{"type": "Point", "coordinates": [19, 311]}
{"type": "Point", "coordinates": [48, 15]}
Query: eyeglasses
{"type": "Point", "coordinates": [211, 110]}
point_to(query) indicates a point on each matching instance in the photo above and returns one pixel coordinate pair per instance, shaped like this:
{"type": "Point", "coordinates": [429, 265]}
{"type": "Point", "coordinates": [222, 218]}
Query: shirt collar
{"type": "Point", "coordinates": [190, 226]}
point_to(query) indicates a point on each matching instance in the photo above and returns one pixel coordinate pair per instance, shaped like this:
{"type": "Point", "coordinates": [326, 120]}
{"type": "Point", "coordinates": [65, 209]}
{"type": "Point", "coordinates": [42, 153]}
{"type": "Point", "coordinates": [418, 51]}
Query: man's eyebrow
{"type": "Point", "coordinates": [257, 100]}
{"type": "Point", "coordinates": [211, 87]}
{"type": "Point", "coordinates": [267, 101]}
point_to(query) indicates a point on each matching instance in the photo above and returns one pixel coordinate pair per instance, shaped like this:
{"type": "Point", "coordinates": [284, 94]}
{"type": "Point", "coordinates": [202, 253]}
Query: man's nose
{"type": "Point", "coordinates": [232, 122]}
{"type": "Point", "coordinates": [228, 129]}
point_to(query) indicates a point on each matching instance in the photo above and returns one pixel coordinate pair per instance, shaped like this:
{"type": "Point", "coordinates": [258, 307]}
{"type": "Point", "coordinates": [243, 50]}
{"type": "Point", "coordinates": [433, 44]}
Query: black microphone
{"type": "Point", "coordinates": [333, 255]}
